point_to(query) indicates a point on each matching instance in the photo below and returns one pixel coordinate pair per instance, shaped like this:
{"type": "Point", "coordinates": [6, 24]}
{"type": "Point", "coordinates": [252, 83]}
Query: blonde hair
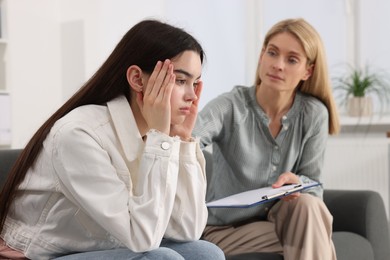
{"type": "Point", "coordinates": [318, 84]}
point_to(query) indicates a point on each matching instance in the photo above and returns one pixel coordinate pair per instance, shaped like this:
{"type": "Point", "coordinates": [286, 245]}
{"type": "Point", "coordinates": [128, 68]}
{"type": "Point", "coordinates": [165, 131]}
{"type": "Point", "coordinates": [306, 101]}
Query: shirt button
{"type": "Point", "coordinates": [285, 127]}
{"type": "Point", "coordinates": [274, 168]}
{"type": "Point", "coordinates": [276, 147]}
{"type": "Point", "coordinates": [284, 117]}
{"type": "Point", "coordinates": [165, 145]}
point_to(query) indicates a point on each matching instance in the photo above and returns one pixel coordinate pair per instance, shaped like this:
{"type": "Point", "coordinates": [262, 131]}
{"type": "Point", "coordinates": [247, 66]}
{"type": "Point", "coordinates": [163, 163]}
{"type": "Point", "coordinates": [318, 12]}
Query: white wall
{"type": "Point", "coordinates": [96, 26]}
{"type": "Point", "coordinates": [33, 67]}
{"type": "Point", "coordinates": [54, 46]}
{"type": "Point", "coordinates": [374, 38]}
{"type": "Point", "coordinates": [221, 28]}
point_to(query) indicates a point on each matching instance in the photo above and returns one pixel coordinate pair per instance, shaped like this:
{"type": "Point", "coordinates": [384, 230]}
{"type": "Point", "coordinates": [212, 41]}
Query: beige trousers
{"type": "Point", "coordinates": [300, 229]}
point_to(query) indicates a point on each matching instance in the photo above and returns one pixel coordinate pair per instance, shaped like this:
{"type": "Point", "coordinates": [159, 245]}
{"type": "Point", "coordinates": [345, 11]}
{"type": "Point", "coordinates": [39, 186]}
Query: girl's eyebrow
{"type": "Point", "coordinates": [189, 75]}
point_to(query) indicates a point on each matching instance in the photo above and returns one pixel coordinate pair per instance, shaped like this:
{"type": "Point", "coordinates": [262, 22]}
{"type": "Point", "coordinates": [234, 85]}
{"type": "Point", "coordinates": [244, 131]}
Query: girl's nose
{"type": "Point", "coordinates": [190, 94]}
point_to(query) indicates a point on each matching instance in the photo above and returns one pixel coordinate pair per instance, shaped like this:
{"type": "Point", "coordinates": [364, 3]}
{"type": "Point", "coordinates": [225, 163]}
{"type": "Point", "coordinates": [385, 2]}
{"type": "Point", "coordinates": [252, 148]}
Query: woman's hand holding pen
{"type": "Point", "coordinates": [287, 178]}
{"type": "Point", "coordinates": [155, 100]}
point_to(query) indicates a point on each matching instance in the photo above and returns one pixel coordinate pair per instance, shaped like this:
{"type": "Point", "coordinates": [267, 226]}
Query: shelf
{"type": "Point", "coordinates": [376, 119]}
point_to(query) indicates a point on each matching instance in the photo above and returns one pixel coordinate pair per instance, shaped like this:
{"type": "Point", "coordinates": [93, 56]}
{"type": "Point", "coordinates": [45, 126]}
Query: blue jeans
{"type": "Point", "coordinates": [168, 250]}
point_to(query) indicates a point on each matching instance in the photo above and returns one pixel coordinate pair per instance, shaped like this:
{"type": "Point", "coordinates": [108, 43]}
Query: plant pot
{"type": "Point", "coordinates": [359, 106]}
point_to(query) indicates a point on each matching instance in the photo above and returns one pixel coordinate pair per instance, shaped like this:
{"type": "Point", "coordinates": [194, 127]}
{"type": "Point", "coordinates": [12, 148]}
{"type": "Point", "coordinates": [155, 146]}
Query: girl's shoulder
{"type": "Point", "coordinates": [91, 116]}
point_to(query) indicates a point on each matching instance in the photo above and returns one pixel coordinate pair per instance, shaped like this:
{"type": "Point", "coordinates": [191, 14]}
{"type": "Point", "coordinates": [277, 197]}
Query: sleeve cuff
{"type": "Point", "coordinates": [161, 144]}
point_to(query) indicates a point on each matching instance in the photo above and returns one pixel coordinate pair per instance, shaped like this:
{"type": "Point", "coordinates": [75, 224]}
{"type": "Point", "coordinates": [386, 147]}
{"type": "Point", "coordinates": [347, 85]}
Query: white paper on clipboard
{"type": "Point", "coordinates": [257, 196]}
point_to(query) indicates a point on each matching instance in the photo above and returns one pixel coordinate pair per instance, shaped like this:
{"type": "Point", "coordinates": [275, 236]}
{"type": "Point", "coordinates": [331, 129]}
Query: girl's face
{"type": "Point", "coordinates": [283, 63]}
{"type": "Point", "coordinates": [187, 68]}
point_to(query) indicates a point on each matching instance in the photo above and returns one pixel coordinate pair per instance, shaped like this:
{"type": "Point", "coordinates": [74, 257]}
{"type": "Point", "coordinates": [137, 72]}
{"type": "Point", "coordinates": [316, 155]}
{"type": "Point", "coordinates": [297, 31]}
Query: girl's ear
{"type": "Point", "coordinates": [134, 78]}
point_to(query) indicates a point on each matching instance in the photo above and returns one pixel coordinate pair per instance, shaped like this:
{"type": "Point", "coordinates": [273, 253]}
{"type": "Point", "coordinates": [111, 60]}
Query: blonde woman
{"type": "Point", "coordinates": [271, 134]}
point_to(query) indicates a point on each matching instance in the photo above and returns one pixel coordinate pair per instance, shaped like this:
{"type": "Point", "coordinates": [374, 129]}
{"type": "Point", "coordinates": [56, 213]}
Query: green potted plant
{"type": "Point", "coordinates": [358, 86]}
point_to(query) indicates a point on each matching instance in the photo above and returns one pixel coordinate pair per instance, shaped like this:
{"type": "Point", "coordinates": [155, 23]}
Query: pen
{"type": "Point", "coordinates": [268, 197]}
{"type": "Point", "coordinates": [283, 193]}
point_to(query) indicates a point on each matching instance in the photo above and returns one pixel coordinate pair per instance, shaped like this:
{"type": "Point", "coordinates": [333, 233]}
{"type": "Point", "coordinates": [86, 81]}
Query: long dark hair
{"type": "Point", "coordinates": [143, 45]}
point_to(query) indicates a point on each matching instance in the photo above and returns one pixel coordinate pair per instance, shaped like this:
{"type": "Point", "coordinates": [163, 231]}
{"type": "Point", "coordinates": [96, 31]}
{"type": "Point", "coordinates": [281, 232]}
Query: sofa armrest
{"type": "Point", "coordinates": [363, 213]}
{"type": "Point", "coordinates": [7, 159]}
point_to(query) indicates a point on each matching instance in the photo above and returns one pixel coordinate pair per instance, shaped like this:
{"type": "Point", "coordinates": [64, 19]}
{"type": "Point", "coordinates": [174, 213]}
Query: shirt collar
{"type": "Point", "coordinates": [125, 127]}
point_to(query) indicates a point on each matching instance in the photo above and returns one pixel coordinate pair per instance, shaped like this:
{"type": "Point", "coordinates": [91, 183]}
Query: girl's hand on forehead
{"type": "Point", "coordinates": [155, 103]}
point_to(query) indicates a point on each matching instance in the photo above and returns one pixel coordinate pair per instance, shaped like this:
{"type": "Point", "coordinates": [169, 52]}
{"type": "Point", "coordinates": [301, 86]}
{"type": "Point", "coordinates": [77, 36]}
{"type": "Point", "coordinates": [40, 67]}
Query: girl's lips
{"type": "Point", "coordinates": [185, 110]}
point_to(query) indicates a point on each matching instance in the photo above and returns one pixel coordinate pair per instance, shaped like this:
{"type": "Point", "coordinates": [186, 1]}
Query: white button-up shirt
{"type": "Point", "coordinates": [97, 185]}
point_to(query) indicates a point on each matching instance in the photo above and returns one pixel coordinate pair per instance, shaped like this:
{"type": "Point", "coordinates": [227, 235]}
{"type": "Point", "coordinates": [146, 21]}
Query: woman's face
{"type": "Point", "coordinates": [283, 63]}
{"type": "Point", "coordinates": [188, 68]}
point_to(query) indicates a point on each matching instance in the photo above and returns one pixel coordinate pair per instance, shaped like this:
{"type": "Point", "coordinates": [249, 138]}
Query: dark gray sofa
{"type": "Point", "coordinates": [360, 224]}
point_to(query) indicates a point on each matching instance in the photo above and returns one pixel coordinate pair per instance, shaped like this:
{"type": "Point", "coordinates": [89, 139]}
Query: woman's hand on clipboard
{"type": "Point", "coordinates": [287, 178]}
